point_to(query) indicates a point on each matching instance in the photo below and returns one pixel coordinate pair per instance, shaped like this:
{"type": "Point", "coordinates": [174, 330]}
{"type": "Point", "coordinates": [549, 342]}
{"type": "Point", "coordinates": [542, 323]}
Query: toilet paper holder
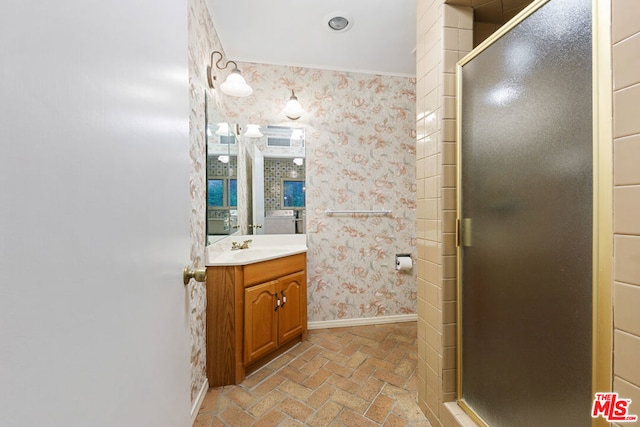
{"type": "Point", "coordinates": [402, 256]}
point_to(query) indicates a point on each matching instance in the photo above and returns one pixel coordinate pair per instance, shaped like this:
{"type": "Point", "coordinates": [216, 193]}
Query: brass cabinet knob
{"type": "Point", "coordinates": [199, 275]}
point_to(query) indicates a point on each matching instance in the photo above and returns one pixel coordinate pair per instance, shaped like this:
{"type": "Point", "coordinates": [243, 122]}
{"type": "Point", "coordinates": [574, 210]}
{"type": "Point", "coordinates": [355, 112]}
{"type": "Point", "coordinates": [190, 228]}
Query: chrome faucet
{"type": "Point", "coordinates": [245, 245]}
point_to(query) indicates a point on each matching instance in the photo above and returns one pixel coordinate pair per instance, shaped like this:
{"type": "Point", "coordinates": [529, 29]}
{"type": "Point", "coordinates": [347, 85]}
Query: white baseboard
{"type": "Point", "coordinates": [198, 402]}
{"type": "Point", "coordinates": [342, 323]}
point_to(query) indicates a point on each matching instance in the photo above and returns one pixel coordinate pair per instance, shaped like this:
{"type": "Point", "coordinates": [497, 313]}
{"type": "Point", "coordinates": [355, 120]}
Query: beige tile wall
{"type": "Point", "coordinates": [626, 200]}
{"type": "Point", "coordinates": [445, 35]}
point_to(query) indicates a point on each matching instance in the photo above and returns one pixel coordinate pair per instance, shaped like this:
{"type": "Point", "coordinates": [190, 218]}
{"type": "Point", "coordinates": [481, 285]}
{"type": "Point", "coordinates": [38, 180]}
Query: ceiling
{"type": "Point", "coordinates": [381, 39]}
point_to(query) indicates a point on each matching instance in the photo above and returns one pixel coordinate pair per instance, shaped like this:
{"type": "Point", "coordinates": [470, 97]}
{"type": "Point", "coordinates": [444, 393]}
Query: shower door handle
{"type": "Point", "coordinates": [463, 232]}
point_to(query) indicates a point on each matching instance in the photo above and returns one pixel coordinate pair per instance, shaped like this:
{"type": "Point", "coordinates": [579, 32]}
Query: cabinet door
{"type": "Point", "coordinates": [292, 290]}
{"type": "Point", "coordinates": [260, 320]}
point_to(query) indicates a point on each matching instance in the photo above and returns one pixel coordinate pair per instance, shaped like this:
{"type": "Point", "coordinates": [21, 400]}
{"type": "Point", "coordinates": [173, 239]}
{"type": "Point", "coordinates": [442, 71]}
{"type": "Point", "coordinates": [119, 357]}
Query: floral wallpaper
{"type": "Point", "coordinates": [202, 41]}
{"type": "Point", "coordinates": [360, 154]}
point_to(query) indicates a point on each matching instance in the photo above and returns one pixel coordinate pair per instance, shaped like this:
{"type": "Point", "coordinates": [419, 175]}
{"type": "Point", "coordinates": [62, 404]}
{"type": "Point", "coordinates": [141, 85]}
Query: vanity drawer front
{"type": "Point", "coordinates": [268, 270]}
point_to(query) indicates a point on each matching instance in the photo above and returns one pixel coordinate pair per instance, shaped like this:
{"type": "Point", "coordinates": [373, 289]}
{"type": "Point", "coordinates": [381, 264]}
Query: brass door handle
{"type": "Point", "coordinates": [199, 275]}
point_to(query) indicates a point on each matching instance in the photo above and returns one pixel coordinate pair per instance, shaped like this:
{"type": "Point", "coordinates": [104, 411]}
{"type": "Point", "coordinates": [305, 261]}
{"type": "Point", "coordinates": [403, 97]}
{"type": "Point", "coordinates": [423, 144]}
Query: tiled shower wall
{"type": "Point", "coordinates": [626, 194]}
{"type": "Point", "coordinates": [445, 35]}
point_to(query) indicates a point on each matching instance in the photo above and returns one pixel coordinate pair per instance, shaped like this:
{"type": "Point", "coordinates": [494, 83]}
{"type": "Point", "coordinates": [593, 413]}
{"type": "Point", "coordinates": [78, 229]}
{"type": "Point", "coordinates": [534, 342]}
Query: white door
{"type": "Point", "coordinates": [94, 216]}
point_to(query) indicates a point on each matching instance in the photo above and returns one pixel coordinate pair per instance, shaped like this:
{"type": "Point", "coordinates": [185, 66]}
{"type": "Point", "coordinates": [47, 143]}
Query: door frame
{"type": "Point", "coordinates": [602, 277]}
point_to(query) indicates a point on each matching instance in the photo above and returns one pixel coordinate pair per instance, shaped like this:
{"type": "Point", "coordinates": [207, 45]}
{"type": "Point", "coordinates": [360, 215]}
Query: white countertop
{"type": "Point", "coordinates": [263, 247]}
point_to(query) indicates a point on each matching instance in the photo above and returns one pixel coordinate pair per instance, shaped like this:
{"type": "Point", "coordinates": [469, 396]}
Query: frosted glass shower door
{"type": "Point", "coordinates": [526, 203]}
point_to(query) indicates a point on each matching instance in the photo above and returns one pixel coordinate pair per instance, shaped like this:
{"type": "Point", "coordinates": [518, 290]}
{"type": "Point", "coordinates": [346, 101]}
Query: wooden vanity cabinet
{"type": "Point", "coordinates": [292, 313]}
{"type": "Point", "coordinates": [273, 314]}
{"type": "Point", "coordinates": [260, 320]}
{"type": "Point", "coordinates": [252, 311]}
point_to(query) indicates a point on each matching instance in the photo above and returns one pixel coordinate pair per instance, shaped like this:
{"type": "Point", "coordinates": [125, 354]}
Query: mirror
{"type": "Point", "coordinates": [278, 193]}
{"type": "Point", "coordinates": [255, 180]}
{"type": "Point", "coordinates": [222, 182]}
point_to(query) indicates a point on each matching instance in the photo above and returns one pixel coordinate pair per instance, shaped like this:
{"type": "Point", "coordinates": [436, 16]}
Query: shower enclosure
{"type": "Point", "coordinates": [526, 221]}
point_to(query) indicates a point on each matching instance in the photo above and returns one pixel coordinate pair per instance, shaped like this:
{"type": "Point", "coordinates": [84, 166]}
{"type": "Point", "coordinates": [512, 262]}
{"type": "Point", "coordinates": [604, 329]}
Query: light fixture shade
{"type": "Point", "coordinates": [299, 161]}
{"type": "Point", "coordinates": [253, 131]}
{"type": "Point", "coordinates": [293, 109]}
{"type": "Point", "coordinates": [235, 85]}
{"type": "Point", "coordinates": [223, 159]}
{"type": "Point", "coordinates": [223, 129]}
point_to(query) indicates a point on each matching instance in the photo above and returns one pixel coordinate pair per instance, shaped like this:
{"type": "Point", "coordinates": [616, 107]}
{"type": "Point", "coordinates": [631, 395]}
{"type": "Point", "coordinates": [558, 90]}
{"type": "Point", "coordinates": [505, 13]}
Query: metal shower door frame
{"type": "Point", "coordinates": [602, 322]}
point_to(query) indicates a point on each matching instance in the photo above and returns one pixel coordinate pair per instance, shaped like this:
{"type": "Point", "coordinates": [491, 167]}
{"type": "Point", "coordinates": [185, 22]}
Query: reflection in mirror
{"type": "Point", "coordinates": [284, 195]}
{"type": "Point", "coordinates": [278, 181]}
{"type": "Point", "coordinates": [255, 178]}
{"type": "Point", "coordinates": [222, 181]}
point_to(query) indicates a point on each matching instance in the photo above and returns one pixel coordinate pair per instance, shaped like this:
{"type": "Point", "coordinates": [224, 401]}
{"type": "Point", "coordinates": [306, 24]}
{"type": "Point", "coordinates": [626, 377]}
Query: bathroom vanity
{"type": "Point", "coordinates": [256, 304]}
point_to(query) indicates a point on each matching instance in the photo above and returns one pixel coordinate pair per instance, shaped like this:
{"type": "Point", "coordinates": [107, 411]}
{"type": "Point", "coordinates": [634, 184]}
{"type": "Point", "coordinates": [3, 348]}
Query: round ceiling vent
{"type": "Point", "coordinates": [338, 22]}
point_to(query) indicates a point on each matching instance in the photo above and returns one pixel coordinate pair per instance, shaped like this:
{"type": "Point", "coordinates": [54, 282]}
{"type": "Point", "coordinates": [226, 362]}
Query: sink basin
{"type": "Point", "coordinates": [253, 252]}
{"type": "Point", "coordinates": [261, 249]}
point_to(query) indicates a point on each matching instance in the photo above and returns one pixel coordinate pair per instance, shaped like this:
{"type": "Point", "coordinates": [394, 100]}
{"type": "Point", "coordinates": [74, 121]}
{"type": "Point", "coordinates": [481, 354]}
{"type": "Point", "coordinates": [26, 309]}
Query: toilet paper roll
{"type": "Point", "coordinates": [404, 263]}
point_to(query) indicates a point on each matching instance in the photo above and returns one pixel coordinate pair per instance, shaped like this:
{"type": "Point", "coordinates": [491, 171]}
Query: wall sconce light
{"type": "Point", "coordinates": [235, 85]}
{"type": "Point", "coordinates": [293, 109]}
{"type": "Point", "coordinates": [223, 129]}
{"type": "Point", "coordinates": [253, 131]}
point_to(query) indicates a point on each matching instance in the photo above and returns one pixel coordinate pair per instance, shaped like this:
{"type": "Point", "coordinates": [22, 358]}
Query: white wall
{"type": "Point", "coordinates": [94, 213]}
